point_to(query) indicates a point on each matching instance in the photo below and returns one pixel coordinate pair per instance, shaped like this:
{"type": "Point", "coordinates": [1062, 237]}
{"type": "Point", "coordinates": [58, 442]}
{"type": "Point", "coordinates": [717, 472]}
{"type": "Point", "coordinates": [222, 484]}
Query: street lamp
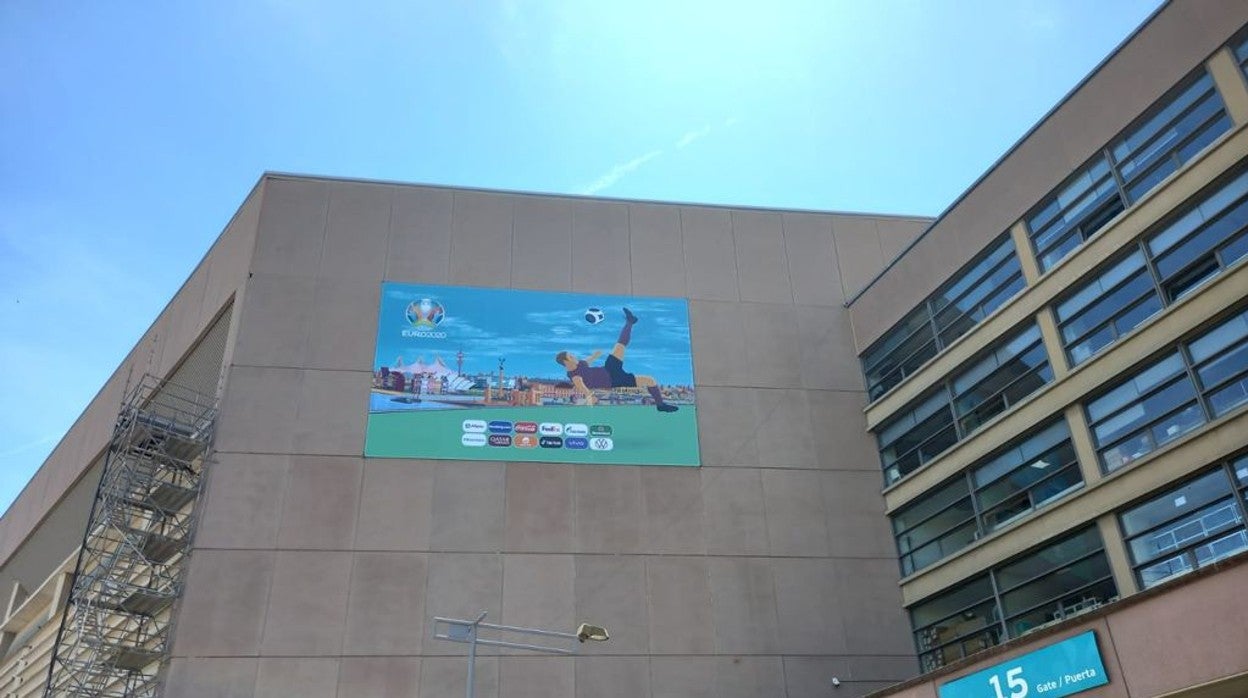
{"type": "Point", "coordinates": [468, 632]}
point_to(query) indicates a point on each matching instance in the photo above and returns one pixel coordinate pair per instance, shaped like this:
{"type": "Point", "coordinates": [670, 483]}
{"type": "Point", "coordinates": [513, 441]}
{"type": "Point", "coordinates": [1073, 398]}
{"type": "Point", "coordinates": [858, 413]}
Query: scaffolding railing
{"type": "Point", "coordinates": [113, 639]}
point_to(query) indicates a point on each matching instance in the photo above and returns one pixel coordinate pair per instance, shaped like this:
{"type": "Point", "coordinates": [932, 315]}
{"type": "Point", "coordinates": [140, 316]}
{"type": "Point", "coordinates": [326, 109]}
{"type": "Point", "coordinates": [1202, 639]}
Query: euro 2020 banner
{"type": "Point", "coordinates": [501, 374]}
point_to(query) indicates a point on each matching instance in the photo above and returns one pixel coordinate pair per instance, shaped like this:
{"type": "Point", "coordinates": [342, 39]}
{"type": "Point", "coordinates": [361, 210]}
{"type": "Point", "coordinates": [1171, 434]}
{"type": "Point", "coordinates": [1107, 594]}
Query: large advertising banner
{"type": "Point", "coordinates": [499, 374]}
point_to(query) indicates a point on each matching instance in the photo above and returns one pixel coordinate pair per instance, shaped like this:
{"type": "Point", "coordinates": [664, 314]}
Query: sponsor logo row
{"type": "Point", "coordinates": [522, 440]}
{"type": "Point", "coordinates": [501, 426]}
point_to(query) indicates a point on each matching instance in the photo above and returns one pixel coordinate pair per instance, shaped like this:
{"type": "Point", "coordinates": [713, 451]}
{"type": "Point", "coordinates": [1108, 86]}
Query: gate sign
{"type": "Point", "coordinates": [1062, 669]}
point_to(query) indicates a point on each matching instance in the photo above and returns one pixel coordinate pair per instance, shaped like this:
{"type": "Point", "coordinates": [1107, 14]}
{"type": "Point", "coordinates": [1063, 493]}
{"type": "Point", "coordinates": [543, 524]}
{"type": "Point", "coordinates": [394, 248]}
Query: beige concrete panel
{"type": "Point", "coordinates": [396, 505]}
{"type": "Point", "coordinates": [184, 325]}
{"type": "Point", "coordinates": [710, 262]}
{"type": "Point", "coordinates": [448, 676]}
{"type": "Point", "coordinates": [231, 255]}
{"type": "Point", "coordinates": [343, 330]}
{"type": "Point", "coordinates": [541, 244]}
{"type": "Point", "coordinates": [539, 592]}
{"type": "Point", "coordinates": [811, 251]}
{"type": "Point", "coordinates": [1229, 78]}
{"type": "Point", "coordinates": [420, 235]}
{"type": "Point", "coordinates": [291, 231]}
{"type": "Point", "coordinates": [744, 606]}
{"type": "Point", "coordinates": [826, 356]}
{"type": "Point", "coordinates": [718, 342]}
{"type": "Point", "coordinates": [608, 509]}
{"type": "Point", "coordinates": [1206, 631]}
{"type": "Point", "coordinates": [539, 508]}
{"type": "Point", "coordinates": [857, 526]}
{"type": "Point", "coordinates": [380, 677]}
{"type": "Point", "coordinates": [727, 426]}
{"type": "Point", "coordinates": [611, 592]}
{"type": "Point", "coordinates": [257, 411]}
{"type": "Point", "coordinates": [320, 499]}
{"type": "Point", "coordinates": [762, 264]}
{"type": "Point", "coordinates": [735, 521]}
{"type": "Point", "coordinates": [303, 677]}
{"type": "Point", "coordinates": [537, 677]}
{"type": "Point", "coordinates": [468, 501]}
{"type": "Point", "coordinates": [462, 586]}
{"type": "Point", "coordinates": [481, 241]}
{"type": "Point", "coordinates": [600, 247]}
{"type": "Point", "coordinates": [332, 412]}
{"type": "Point", "coordinates": [682, 677]}
{"type": "Point", "coordinates": [784, 437]}
{"type": "Point", "coordinates": [679, 605]}
{"type": "Point", "coordinates": [1116, 553]}
{"type": "Point", "coordinates": [658, 254]}
{"type": "Point", "coordinates": [811, 677]}
{"type": "Point", "coordinates": [810, 607]}
{"type": "Point", "coordinates": [840, 434]}
{"type": "Point", "coordinates": [875, 622]}
{"type": "Point", "coordinates": [672, 498]}
{"type": "Point", "coordinates": [211, 678]}
{"type": "Point", "coordinates": [748, 677]}
{"type": "Point", "coordinates": [795, 513]}
{"type": "Point", "coordinates": [243, 501]}
{"type": "Point", "coordinates": [386, 604]}
{"type": "Point", "coordinates": [897, 233]}
{"type": "Point", "coordinates": [222, 610]}
{"type": "Point", "coordinates": [276, 318]}
{"type": "Point", "coordinates": [1025, 251]}
{"type": "Point", "coordinates": [612, 677]}
{"type": "Point", "coordinates": [858, 252]}
{"type": "Point", "coordinates": [307, 604]}
{"type": "Point", "coordinates": [357, 232]}
{"type": "Point", "coordinates": [771, 356]}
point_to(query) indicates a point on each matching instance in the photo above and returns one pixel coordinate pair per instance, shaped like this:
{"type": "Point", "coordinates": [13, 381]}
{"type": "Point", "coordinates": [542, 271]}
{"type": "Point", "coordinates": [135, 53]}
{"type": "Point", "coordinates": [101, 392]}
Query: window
{"type": "Point", "coordinates": [1206, 238]}
{"type": "Point", "coordinates": [1012, 370]}
{"type": "Point", "coordinates": [1107, 307]}
{"type": "Point", "coordinates": [1060, 580]}
{"type": "Point", "coordinates": [1220, 361]}
{"type": "Point", "coordinates": [1001, 379]}
{"type": "Point", "coordinates": [1155, 406]}
{"type": "Point", "coordinates": [939, 524]}
{"type": "Point", "coordinates": [956, 307]}
{"type": "Point", "coordinates": [917, 435]}
{"type": "Point", "coordinates": [1026, 475]}
{"type": "Point", "coordinates": [1241, 55]}
{"type": "Point", "coordinates": [1176, 128]}
{"type": "Point", "coordinates": [1190, 526]}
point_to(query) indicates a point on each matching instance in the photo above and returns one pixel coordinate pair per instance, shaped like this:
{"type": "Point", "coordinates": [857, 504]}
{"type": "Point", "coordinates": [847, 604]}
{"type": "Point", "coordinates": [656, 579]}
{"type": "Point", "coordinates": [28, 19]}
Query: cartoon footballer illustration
{"type": "Point", "coordinates": [586, 378]}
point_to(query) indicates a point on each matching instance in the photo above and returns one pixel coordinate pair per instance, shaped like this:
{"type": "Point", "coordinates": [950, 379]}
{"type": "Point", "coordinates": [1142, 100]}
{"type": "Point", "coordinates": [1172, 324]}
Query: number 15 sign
{"type": "Point", "coordinates": [1061, 669]}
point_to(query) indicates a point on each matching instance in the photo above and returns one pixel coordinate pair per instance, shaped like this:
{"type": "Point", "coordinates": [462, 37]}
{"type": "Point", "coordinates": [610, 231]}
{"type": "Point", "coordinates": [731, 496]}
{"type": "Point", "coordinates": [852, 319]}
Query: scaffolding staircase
{"type": "Point", "coordinates": [114, 634]}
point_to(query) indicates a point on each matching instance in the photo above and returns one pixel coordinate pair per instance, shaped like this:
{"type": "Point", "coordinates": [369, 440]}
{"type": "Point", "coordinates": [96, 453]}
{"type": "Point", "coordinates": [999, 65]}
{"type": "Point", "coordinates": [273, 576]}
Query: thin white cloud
{"type": "Point", "coordinates": [688, 139]}
{"type": "Point", "coordinates": [28, 446]}
{"type": "Point", "coordinates": [731, 121]}
{"type": "Point", "coordinates": [618, 172]}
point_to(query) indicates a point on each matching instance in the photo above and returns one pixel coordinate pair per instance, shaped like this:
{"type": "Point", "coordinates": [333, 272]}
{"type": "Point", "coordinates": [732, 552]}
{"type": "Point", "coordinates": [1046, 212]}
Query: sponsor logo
{"type": "Point", "coordinates": [472, 439]}
{"type": "Point", "coordinates": [600, 430]}
{"type": "Point", "coordinates": [576, 429]}
{"type": "Point", "coordinates": [551, 442]}
{"type": "Point", "coordinates": [526, 427]}
{"type": "Point", "coordinates": [525, 441]}
{"type": "Point", "coordinates": [474, 426]}
{"type": "Point", "coordinates": [550, 429]}
{"type": "Point", "coordinates": [576, 442]}
{"type": "Point", "coordinates": [424, 316]}
{"type": "Point", "coordinates": [500, 440]}
{"type": "Point", "coordinates": [601, 443]}
{"type": "Point", "coordinates": [500, 426]}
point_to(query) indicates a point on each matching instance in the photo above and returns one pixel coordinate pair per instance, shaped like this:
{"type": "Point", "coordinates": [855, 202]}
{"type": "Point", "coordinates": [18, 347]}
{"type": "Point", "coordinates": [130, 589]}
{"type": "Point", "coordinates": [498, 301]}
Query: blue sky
{"type": "Point", "coordinates": [131, 132]}
{"type": "Point", "coordinates": [529, 328]}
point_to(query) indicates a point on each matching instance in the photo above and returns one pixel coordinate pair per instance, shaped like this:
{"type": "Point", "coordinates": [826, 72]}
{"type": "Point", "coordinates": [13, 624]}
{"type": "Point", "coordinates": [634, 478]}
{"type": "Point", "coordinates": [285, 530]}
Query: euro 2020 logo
{"type": "Point", "coordinates": [424, 316]}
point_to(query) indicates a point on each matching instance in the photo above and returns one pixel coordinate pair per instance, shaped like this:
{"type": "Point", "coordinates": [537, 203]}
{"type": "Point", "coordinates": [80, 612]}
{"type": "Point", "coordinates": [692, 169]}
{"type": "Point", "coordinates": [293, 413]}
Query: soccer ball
{"type": "Point", "coordinates": [594, 316]}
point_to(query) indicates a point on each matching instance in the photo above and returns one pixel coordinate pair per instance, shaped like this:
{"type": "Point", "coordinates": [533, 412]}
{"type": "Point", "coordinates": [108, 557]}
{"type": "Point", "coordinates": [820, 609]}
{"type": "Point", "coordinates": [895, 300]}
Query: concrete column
{"type": "Point", "coordinates": [1116, 551]}
{"type": "Point", "coordinates": [1085, 449]}
{"type": "Point", "coordinates": [1026, 253]}
{"type": "Point", "coordinates": [1229, 80]}
{"type": "Point", "coordinates": [1052, 343]}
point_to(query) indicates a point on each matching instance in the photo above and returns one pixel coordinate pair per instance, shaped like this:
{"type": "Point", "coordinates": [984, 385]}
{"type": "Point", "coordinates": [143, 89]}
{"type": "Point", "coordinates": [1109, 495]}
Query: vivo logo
{"type": "Point", "coordinates": [576, 442]}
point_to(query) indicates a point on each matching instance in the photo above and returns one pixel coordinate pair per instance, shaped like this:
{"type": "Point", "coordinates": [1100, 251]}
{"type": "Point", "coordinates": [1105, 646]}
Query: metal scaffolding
{"type": "Point", "coordinates": [114, 634]}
